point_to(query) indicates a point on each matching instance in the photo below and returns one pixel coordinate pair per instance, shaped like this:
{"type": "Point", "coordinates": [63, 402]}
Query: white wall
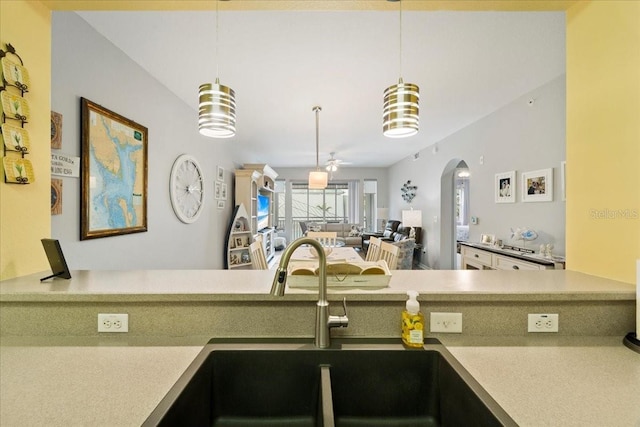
{"type": "Point", "coordinates": [518, 137]}
{"type": "Point", "coordinates": [84, 64]}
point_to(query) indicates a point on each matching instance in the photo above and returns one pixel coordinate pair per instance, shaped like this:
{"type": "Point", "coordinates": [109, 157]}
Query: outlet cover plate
{"type": "Point", "coordinates": [446, 322]}
{"type": "Point", "coordinates": [109, 322]}
{"type": "Point", "coordinates": [539, 322]}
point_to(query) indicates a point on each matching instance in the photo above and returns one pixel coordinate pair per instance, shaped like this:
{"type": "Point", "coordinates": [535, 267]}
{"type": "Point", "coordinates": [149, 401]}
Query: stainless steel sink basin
{"type": "Point", "coordinates": [357, 382]}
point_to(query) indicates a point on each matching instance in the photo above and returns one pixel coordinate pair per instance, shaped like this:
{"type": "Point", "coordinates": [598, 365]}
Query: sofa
{"type": "Point", "coordinates": [350, 234]}
{"type": "Point", "coordinates": [393, 231]}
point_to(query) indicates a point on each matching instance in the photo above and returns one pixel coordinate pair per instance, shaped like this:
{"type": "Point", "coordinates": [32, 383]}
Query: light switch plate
{"type": "Point", "coordinates": [446, 322]}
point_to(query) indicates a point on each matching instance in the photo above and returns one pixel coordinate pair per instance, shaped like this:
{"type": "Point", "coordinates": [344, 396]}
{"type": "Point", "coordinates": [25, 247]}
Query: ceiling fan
{"type": "Point", "coordinates": [333, 163]}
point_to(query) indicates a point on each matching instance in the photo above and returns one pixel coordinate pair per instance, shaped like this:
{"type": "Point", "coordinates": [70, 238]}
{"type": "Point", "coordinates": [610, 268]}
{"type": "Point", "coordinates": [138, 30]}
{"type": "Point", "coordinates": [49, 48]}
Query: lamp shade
{"type": "Point", "coordinates": [318, 180]}
{"type": "Point", "coordinates": [412, 218]}
{"type": "Point", "coordinates": [217, 110]}
{"type": "Point", "coordinates": [401, 111]}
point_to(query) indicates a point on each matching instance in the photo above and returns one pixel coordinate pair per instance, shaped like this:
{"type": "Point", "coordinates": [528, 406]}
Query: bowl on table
{"type": "Point", "coordinates": [314, 253]}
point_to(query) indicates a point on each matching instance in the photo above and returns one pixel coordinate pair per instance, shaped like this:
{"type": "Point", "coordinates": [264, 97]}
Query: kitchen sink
{"type": "Point", "coordinates": [356, 382]}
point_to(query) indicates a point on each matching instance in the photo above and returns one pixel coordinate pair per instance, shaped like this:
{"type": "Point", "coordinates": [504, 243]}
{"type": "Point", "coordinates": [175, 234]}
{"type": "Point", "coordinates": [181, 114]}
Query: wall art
{"type": "Point", "coordinates": [505, 187]}
{"type": "Point", "coordinates": [537, 186]}
{"type": "Point", "coordinates": [114, 173]}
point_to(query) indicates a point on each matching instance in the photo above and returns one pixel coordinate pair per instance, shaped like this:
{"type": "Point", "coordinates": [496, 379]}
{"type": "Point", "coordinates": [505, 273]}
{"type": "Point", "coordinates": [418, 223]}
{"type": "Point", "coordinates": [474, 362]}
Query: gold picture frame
{"type": "Point", "coordinates": [113, 193]}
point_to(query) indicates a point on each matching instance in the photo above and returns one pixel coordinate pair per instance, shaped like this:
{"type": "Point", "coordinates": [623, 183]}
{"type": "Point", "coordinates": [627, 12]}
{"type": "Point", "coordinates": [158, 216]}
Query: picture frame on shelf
{"type": "Point", "coordinates": [239, 243]}
{"type": "Point", "coordinates": [111, 204]}
{"type": "Point", "coordinates": [537, 186]}
{"type": "Point", "coordinates": [505, 187]}
{"type": "Point", "coordinates": [220, 173]}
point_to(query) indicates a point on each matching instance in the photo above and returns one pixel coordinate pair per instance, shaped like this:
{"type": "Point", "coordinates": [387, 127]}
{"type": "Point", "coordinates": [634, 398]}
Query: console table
{"type": "Point", "coordinates": [478, 256]}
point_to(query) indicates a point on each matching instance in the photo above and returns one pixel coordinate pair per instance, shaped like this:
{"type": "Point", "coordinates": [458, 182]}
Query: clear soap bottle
{"type": "Point", "coordinates": [412, 322]}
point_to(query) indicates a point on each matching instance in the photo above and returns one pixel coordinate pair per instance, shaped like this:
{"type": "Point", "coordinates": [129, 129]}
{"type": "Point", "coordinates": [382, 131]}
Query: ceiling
{"type": "Point", "coordinates": [282, 63]}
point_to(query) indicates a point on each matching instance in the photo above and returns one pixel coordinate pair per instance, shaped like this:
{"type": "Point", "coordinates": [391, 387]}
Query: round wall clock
{"type": "Point", "coordinates": [186, 188]}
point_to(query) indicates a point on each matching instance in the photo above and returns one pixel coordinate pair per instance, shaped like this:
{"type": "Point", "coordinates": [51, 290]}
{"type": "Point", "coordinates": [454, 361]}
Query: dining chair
{"type": "Point", "coordinates": [258, 259]}
{"type": "Point", "coordinates": [389, 253]}
{"type": "Point", "coordinates": [326, 238]}
{"type": "Point", "coordinates": [373, 253]}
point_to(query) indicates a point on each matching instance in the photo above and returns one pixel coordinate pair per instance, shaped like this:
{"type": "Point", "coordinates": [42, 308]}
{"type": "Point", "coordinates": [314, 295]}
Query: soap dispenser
{"type": "Point", "coordinates": [412, 322]}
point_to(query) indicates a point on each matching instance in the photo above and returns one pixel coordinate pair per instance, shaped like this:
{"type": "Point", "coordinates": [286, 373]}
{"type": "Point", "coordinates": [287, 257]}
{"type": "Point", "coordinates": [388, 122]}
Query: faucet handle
{"type": "Point", "coordinates": [341, 321]}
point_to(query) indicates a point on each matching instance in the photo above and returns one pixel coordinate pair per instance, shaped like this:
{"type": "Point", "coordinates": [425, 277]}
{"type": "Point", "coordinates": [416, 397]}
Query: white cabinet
{"type": "Point", "coordinates": [268, 242]}
{"type": "Point", "coordinates": [475, 258]}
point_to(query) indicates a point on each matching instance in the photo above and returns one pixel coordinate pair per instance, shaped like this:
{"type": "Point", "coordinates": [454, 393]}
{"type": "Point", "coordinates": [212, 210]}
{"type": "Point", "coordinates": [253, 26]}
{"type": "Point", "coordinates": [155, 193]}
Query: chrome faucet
{"type": "Point", "coordinates": [324, 321]}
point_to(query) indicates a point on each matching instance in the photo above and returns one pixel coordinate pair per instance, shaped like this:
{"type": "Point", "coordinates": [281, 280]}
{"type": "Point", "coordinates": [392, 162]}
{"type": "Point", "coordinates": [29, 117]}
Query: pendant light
{"type": "Point", "coordinates": [318, 179]}
{"type": "Point", "coordinates": [400, 114]}
{"type": "Point", "coordinates": [217, 105]}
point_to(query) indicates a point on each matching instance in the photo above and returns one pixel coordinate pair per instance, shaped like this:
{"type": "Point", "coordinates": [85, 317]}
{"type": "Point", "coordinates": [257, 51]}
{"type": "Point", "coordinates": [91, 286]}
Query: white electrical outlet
{"type": "Point", "coordinates": [113, 322]}
{"type": "Point", "coordinates": [446, 322]}
{"type": "Point", "coordinates": [543, 323]}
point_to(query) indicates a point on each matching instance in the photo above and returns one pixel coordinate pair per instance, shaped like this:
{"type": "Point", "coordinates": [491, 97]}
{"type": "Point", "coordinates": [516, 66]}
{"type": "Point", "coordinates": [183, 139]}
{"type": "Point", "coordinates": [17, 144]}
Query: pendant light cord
{"type": "Point", "coordinates": [317, 109]}
{"type": "Point", "coordinates": [217, 62]}
{"type": "Point", "coordinates": [400, 41]}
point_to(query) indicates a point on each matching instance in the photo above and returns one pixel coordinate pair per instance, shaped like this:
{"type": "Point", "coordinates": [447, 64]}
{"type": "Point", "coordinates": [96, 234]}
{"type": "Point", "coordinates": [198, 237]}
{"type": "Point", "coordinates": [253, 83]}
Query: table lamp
{"type": "Point", "coordinates": [383, 215]}
{"type": "Point", "coordinates": [412, 218]}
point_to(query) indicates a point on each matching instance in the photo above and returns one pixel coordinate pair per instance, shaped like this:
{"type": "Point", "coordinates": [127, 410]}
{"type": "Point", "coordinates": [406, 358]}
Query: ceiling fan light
{"type": "Point", "coordinates": [318, 180]}
{"type": "Point", "coordinates": [332, 167]}
{"type": "Point", "coordinates": [217, 110]}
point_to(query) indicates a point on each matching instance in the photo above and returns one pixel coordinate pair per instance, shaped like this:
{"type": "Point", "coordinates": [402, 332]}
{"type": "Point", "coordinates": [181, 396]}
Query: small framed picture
{"type": "Point", "coordinates": [239, 243]}
{"type": "Point", "coordinates": [220, 204]}
{"type": "Point", "coordinates": [505, 187]}
{"type": "Point", "coordinates": [220, 173]}
{"type": "Point", "coordinates": [218, 190]}
{"type": "Point", "coordinates": [537, 186]}
{"type": "Point", "coordinates": [487, 239]}
{"type": "Point", "coordinates": [223, 191]}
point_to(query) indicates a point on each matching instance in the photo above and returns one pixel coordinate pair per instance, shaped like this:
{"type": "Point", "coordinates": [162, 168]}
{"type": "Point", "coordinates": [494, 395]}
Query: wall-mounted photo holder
{"type": "Point", "coordinates": [14, 107]}
{"type": "Point", "coordinates": [56, 130]}
{"type": "Point", "coordinates": [18, 171]}
{"type": "Point", "coordinates": [220, 204]}
{"type": "Point", "coordinates": [505, 187]}
{"type": "Point", "coordinates": [537, 186]}
{"type": "Point", "coordinates": [220, 173]}
{"type": "Point", "coordinates": [15, 138]}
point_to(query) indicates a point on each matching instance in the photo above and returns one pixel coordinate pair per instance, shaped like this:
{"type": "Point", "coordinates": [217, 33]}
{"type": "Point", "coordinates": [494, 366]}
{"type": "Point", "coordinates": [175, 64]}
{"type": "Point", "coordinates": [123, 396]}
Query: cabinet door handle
{"type": "Point", "coordinates": [515, 267]}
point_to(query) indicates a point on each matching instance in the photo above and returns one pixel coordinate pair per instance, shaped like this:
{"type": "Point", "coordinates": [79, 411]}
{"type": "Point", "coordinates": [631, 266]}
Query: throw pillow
{"type": "Point", "coordinates": [356, 231]}
{"type": "Point", "coordinates": [312, 226]}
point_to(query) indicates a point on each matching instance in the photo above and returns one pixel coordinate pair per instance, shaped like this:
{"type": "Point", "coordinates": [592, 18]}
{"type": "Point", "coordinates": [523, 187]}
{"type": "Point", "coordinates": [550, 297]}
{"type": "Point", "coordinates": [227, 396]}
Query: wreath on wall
{"type": "Point", "coordinates": [408, 191]}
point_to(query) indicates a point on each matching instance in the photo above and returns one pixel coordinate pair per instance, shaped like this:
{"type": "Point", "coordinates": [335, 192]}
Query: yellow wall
{"type": "Point", "coordinates": [603, 130]}
{"type": "Point", "coordinates": [603, 139]}
{"type": "Point", "coordinates": [25, 213]}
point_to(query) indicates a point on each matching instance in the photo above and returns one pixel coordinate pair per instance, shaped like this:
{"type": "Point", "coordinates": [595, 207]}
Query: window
{"type": "Point", "coordinates": [328, 205]}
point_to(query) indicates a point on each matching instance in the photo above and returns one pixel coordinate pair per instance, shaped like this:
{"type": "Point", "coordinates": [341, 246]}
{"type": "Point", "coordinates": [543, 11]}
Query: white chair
{"type": "Point", "coordinates": [326, 238]}
{"type": "Point", "coordinates": [258, 259]}
{"type": "Point", "coordinates": [389, 253]}
{"type": "Point", "coordinates": [373, 253]}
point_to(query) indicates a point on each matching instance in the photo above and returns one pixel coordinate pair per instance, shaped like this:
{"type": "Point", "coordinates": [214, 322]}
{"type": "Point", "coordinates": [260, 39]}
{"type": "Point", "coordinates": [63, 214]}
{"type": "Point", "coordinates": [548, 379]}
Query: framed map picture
{"type": "Point", "coordinates": [113, 184]}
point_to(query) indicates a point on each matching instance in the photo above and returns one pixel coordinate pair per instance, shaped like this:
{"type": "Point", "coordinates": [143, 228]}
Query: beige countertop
{"type": "Point", "coordinates": [239, 285]}
{"type": "Point", "coordinates": [593, 381]}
